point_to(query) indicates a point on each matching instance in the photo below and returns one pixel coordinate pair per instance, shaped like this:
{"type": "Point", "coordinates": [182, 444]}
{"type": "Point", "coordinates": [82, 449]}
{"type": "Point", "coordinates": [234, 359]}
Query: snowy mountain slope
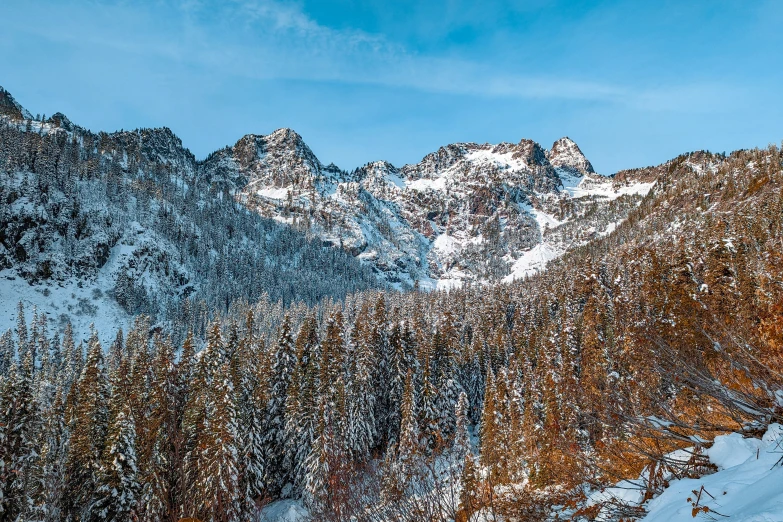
{"type": "Point", "coordinates": [11, 108]}
{"type": "Point", "coordinates": [467, 212]}
{"type": "Point", "coordinates": [100, 227]}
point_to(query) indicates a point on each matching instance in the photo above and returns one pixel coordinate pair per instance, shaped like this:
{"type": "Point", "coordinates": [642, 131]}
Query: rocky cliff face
{"type": "Point", "coordinates": [566, 155]}
{"type": "Point", "coordinates": [467, 212]}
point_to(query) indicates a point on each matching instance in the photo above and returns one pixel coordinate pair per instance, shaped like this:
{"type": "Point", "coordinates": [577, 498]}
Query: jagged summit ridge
{"type": "Point", "coordinates": [465, 212]}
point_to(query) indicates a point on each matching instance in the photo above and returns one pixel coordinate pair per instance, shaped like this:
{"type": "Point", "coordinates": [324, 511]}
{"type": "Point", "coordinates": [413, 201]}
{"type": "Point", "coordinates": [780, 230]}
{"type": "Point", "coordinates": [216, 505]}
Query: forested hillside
{"type": "Point", "coordinates": [238, 360]}
{"type": "Point", "coordinates": [514, 401]}
{"type": "Point", "coordinates": [129, 222]}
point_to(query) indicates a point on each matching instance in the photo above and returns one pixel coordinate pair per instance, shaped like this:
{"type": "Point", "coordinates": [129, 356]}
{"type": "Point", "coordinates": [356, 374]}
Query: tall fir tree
{"type": "Point", "coordinates": [88, 424]}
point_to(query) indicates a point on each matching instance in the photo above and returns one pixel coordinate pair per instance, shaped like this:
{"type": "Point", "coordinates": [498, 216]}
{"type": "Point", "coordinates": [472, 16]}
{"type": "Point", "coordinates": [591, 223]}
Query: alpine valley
{"type": "Point", "coordinates": [134, 216]}
{"type": "Point", "coordinates": [494, 333]}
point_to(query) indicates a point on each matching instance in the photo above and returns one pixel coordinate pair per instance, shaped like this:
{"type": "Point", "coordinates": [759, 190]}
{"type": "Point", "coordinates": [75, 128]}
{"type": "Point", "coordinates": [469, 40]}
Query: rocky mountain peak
{"type": "Point", "coordinates": [279, 159]}
{"type": "Point", "coordinates": [466, 212]}
{"type": "Point", "coordinates": [565, 154]}
{"type": "Point", "coordinates": [531, 153]}
{"type": "Point", "coordinates": [438, 161]}
{"type": "Point", "coordinates": [286, 138]}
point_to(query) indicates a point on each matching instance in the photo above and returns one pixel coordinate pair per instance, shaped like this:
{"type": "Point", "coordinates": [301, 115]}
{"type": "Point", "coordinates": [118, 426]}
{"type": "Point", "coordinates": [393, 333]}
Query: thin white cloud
{"type": "Point", "coordinates": [269, 39]}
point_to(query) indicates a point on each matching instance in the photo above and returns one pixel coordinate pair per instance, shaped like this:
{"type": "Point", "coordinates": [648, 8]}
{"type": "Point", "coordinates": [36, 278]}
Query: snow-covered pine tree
{"type": "Point", "coordinates": [429, 415]}
{"type": "Point", "coordinates": [219, 470]}
{"type": "Point", "coordinates": [379, 358]}
{"type": "Point", "coordinates": [157, 474]}
{"type": "Point", "coordinates": [118, 489]}
{"type": "Point", "coordinates": [7, 352]}
{"type": "Point", "coordinates": [194, 427]}
{"type": "Point", "coordinates": [250, 417]}
{"type": "Point", "coordinates": [88, 424]}
{"type": "Point", "coordinates": [461, 445]}
{"type": "Point", "coordinates": [283, 363]}
{"type": "Point", "coordinates": [22, 342]}
{"type": "Point", "coordinates": [398, 365]}
{"type": "Point", "coordinates": [184, 436]}
{"type": "Point", "coordinates": [49, 478]}
{"type": "Point", "coordinates": [360, 393]}
{"type": "Point", "coordinates": [116, 352]}
{"type": "Point", "coordinates": [19, 453]}
{"type": "Point", "coordinates": [320, 460]}
{"type": "Point", "coordinates": [409, 449]}
{"type": "Point", "coordinates": [469, 497]}
{"type": "Point", "coordinates": [302, 401]}
{"type": "Point", "coordinates": [73, 359]}
{"type": "Point", "coordinates": [489, 430]}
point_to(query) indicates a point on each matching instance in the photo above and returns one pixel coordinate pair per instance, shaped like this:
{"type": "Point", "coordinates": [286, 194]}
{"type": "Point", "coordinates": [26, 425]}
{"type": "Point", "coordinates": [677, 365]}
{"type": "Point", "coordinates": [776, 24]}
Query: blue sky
{"type": "Point", "coordinates": [632, 82]}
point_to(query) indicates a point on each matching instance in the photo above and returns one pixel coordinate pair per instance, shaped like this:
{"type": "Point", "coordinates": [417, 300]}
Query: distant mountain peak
{"type": "Point", "coordinates": [285, 134]}
{"type": "Point", "coordinates": [565, 154]}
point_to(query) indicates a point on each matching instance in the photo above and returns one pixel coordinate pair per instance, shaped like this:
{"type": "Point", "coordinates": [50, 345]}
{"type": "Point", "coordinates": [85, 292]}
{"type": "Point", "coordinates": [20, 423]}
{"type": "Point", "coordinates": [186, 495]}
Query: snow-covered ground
{"type": "Point", "coordinates": [284, 511]}
{"type": "Point", "coordinates": [748, 486]}
{"type": "Point", "coordinates": [532, 261]}
{"type": "Point", "coordinates": [597, 186]}
{"type": "Point", "coordinates": [74, 301]}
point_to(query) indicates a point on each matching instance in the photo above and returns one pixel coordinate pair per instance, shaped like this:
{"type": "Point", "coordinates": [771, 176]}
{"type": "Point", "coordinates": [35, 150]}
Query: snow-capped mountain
{"type": "Point", "coordinates": [96, 228]}
{"type": "Point", "coordinates": [136, 214]}
{"type": "Point", "coordinates": [466, 213]}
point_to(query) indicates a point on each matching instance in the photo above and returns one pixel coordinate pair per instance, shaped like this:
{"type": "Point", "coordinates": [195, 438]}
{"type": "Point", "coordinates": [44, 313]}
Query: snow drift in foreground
{"type": "Point", "coordinates": [746, 487]}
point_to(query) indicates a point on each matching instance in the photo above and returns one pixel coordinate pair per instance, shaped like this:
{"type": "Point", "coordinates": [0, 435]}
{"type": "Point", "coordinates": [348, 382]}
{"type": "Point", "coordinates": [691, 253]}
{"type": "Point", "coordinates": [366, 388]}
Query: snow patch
{"type": "Point", "coordinates": [532, 261]}
{"type": "Point", "coordinates": [746, 487]}
{"type": "Point", "coordinates": [284, 511]}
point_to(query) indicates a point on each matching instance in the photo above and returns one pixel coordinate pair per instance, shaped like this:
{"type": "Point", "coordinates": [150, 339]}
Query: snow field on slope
{"type": "Point", "coordinates": [287, 510]}
{"type": "Point", "coordinates": [80, 303]}
{"type": "Point", "coordinates": [532, 261]}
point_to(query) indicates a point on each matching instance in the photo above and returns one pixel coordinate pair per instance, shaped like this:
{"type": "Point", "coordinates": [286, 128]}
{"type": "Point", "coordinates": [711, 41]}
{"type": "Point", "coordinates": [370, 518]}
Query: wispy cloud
{"type": "Point", "coordinates": [270, 39]}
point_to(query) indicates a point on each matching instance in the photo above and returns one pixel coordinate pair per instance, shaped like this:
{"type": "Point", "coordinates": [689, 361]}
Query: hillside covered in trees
{"type": "Point", "coordinates": [129, 222]}
{"type": "Point", "coordinates": [515, 401]}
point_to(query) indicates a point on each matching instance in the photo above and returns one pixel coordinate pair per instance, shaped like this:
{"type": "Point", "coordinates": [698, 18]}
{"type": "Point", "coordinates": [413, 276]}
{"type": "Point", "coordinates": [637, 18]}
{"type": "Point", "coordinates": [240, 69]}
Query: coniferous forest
{"type": "Point", "coordinates": [280, 368]}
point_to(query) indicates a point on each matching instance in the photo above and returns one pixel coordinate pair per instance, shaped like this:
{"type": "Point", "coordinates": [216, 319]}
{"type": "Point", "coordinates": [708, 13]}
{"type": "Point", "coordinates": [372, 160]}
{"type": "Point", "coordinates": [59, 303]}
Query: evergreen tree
{"type": "Point", "coordinates": [218, 484]}
{"type": "Point", "coordinates": [7, 353]}
{"type": "Point", "coordinates": [251, 401]}
{"type": "Point", "coordinates": [274, 439]}
{"type": "Point", "coordinates": [22, 341]}
{"type": "Point", "coordinates": [409, 449]}
{"type": "Point", "coordinates": [462, 446]}
{"type": "Point", "coordinates": [303, 400]}
{"type": "Point", "coordinates": [118, 491]}
{"type": "Point", "coordinates": [49, 478]}
{"type": "Point", "coordinates": [88, 425]}
{"type": "Point", "coordinates": [20, 449]}
{"type": "Point", "coordinates": [469, 500]}
{"type": "Point", "coordinates": [157, 474]}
